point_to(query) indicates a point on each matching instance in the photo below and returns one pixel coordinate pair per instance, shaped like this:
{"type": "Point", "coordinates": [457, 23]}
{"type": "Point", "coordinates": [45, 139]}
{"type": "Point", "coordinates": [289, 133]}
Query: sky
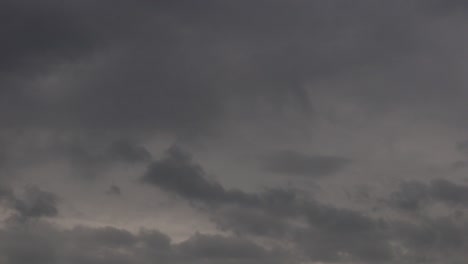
{"type": "Point", "coordinates": [233, 132]}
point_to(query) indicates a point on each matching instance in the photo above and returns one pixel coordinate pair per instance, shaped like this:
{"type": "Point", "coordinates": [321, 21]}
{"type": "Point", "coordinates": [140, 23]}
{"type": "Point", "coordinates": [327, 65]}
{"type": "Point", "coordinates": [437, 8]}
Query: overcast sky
{"type": "Point", "coordinates": [233, 131]}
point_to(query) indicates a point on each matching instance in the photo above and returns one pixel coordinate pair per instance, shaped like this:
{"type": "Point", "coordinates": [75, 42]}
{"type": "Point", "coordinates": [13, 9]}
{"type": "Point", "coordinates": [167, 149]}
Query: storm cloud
{"type": "Point", "coordinates": [43, 243]}
{"type": "Point", "coordinates": [414, 196]}
{"type": "Point", "coordinates": [282, 131]}
{"type": "Point", "coordinates": [289, 162]}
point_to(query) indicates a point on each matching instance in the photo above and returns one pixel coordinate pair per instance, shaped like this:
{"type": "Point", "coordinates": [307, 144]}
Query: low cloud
{"type": "Point", "coordinates": [413, 196]}
{"type": "Point", "coordinates": [34, 203]}
{"type": "Point", "coordinates": [296, 163]}
{"type": "Point", "coordinates": [43, 243]}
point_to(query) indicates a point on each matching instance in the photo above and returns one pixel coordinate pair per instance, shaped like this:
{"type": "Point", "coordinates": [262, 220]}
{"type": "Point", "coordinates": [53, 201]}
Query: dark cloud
{"type": "Point", "coordinates": [411, 196]}
{"type": "Point", "coordinates": [449, 192]}
{"type": "Point", "coordinates": [89, 159]}
{"type": "Point", "coordinates": [339, 220]}
{"type": "Point", "coordinates": [40, 33]}
{"type": "Point", "coordinates": [47, 41]}
{"type": "Point", "coordinates": [175, 68]}
{"type": "Point", "coordinates": [338, 234]}
{"type": "Point", "coordinates": [273, 212]}
{"type": "Point", "coordinates": [18, 245]}
{"type": "Point", "coordinates": [128, 152]}
{"type": "Point", "coordinates": [462, 147]}
{"type": "Point", "coordinates": [86, 157]}
{"type": "Point", "coordinates": [432, 240]}
{"type": "Point", "coordinates": [114, 190]}
{"type": "Point", "coordinates": [43, 243]}
{"type": "Point", "coordinates": [218, 247]}
{"type": "Point", "coordinates": [321, 232]}
{"type": "Point", "coordinates": [295, 163]}
{"type": "Point", "coordinates": [118, 68]}
{"type": "Point", "coordinates": [176, 172]}
{"type": "Point", "coordinates": [414, 196]}
{"type": "Point", "coordinates": [88, 87]}
{"type": "Point", "coordinates": [460, 164]}
{"type": "Point", "coordinates": [34, 203]}
{"type": "Point", "coordinates": [432, 234]}
{"type": "Point", "coordinates": [251, 221]}
{"type": "Point", "coordinates": [105, 237]}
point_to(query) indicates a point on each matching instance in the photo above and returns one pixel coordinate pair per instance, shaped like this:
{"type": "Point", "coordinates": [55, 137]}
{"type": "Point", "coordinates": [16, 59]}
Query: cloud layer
{"type": "Point", "coordinates": [282, 131]}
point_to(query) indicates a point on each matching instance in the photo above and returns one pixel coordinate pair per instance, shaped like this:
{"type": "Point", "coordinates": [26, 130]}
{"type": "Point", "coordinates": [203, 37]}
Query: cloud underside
{"type": "Point", "coordinates": [152, 107]}
{"type": "Point", "coordinates": [302, 228]}
{"type": "Point", "coordinates": [317, 231]}
{"type": "Point", "coordinates": [180, 68]}
{"type": "Point", "coordinates": [41, 243]}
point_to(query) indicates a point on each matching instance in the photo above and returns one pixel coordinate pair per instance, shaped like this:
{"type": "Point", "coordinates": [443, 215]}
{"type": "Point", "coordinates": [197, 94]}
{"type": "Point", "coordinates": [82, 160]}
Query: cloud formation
{"type": "Point", "coordinates": [413, 196]}
{"type": "Point", "coordinates": [294, 163]}
{"type": "Point", "coordinates": [233, 131]}
{"type": "Point", "coordinates": [34, 203]}
{"type": "Point", "coordinates": [43, 243]}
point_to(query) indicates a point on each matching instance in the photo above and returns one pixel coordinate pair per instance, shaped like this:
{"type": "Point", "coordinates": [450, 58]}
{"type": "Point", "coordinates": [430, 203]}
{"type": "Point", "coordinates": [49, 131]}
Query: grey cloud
{"type": "Point", "coordinates": [36, 203]}
{"type": "Point", "coordinates": [320, 232]}
{"type": "Point", "coordinates": [327, 233]}
{"type": "Point", "coordinates": [106, 151]}
{"type": "Point", "coordinates": [339, 234]}
{"type": "Point", "coordinates": [339, 220]}
{"type": "Point", "coordinates": [218, 247]}
{"type": "Point", "coordinates": [43, 243]}
{"type": "Point", "coordinates": [32, 204]}
{"type": "Point", "coordinates": [295, 163]}
{"type": "Point", "coordinates": [53, 34]}
{"type": "Point", "coordinates": [173, 67]}
{"type": "Point", "coordinates": [114, 190]}
{"type": "Point", "coordinates": [87, 157]}
{"type": "Point", "coordinates": [5, 192]}
{"type": "Point", "coordinates": [460, 164]}
{"type": "Point", "coordinates": [128, 152]}
{"type": "Point", "coordinates": [251, 221]}
{"type": "Point", "coordinates": [20, 246]}
{"type": "Point", "coordinates": [432, 234]}
{"type": "Point", "coordinates": [142, 68]}
{"type": "Point", "coordinates": [414, 196]}
{"type": "Point", "coordinates": [411, 196]}
{"type": "Point", "coordinates": [462, 146]}
{"type": "Point", "coordinates": [176, 172]}
{"type": "Point", "coordinates": [93, 83]}
{"type": "Point", "coordinates": [105, 237]}
{"type": "Point", "coordinates": [368, 247]}
{"type": "Point", "coordinates": [450, 192]}
{"type": "Point", "coordinates": [40, 32]}
{"type": "Point", "coordinates": [432, 240]}
{"type": "Point", "coordinates": [272, 212]}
